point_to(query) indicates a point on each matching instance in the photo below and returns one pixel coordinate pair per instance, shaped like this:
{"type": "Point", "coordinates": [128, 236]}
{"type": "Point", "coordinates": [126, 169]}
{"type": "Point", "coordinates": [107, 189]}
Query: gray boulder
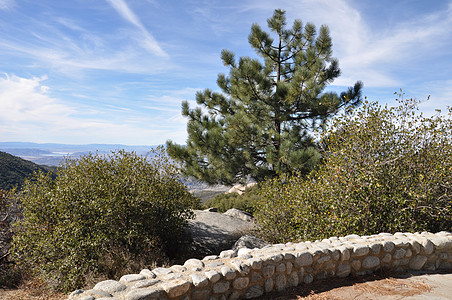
{"type": "Point", "coordinates": [237, 213]}
{"type": "Point", "coordinates": [213, 232]}
{"type": "Point", "coordinates": [250, 242]}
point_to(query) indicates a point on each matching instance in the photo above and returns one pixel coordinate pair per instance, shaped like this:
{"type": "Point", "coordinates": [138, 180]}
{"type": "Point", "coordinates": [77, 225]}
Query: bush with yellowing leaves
{"type": "Point", "coordinates": [385, 169]}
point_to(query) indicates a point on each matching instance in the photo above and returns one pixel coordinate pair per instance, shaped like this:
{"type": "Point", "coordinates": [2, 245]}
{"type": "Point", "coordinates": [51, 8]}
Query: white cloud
{"type": "Point", "coordinates": [29, 112]}
{"type": "Point", "coordinates": [148, 41]}
{"type": "Point", "coordinates": [27, 100]}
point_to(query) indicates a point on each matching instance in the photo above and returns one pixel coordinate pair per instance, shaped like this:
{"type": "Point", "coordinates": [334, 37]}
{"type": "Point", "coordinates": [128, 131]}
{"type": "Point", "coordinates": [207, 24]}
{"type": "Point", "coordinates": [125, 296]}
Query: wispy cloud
{"type": "Point", "coordinates": [368, 53]}
{"type": "Point", "coordinates": [148, 40]}
{"type": "Point", "coordinates": [63, 54]}
{"type": "Point", "coordinates": [6, 4]}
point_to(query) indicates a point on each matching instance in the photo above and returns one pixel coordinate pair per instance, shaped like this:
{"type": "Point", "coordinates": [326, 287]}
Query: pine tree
{"type": "Point", "coordinates": [259, 125]}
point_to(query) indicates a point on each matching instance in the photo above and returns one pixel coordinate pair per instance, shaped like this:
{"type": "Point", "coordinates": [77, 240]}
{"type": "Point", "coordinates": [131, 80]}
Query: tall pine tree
{"type": "Point", "coordinates": [259, 125]}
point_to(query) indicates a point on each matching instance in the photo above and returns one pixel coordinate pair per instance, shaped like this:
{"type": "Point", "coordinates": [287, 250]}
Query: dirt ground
{"type": "Point", "coordinates": [22, 294]}
{"type": "Point", "coordinates": [376, 286]}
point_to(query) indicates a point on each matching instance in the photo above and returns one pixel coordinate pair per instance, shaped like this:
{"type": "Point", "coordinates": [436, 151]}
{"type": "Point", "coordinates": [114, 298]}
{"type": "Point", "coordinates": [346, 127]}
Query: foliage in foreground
{"type": "Point", "coordinates": [10, 275]}
{"type": "Point", "coordinates": [100, 216]}
{"type": "Point", "coordinates": [245, 202]}
{"type": "Point", "coordinates": [385, 170]}
{"type": "Point", "coordinates": [259, 125]}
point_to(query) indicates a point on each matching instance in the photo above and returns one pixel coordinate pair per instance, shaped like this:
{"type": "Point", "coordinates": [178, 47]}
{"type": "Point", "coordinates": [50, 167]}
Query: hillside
{"type": "Point", "coordinates": [14, 170]}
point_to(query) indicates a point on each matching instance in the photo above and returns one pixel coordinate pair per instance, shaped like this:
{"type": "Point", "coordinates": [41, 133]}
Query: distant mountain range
{"type": "Point", "coordinates": [18, 160]}
{"type": "Point", "coordinates": [52, 154]}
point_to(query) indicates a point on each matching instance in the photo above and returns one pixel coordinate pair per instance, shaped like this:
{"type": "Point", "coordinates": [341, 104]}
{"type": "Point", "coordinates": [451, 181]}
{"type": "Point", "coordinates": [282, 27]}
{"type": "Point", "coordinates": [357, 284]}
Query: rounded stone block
{"type": "Point", "coordinates": [162, 271]}
{"type": "Point", "coordinates": [308, 278]}
{"type": "Point", "coordinates": [386, 258]}
{"type": "Point", "coordinates": [199, 280]}
{"type": "Point", "coordinates": [256, 263]}
{"type": "Point", "coordinates": [343, 270]}
{"type": "Point", "coordinates": [323, 260]}
{"type": "Point", "coordinates": [388, 246]}
{"type": "Point", "coordinates": [194, 264]}
{"type": "Point", "coordinates": [213, 276]}
{"type": "Point", "coordinates": [241, 266]}
{"type": "Point", "coordinates": [110, 286]}
{"type": "Point", "coordinates": [375, 248]}
{"type": "Point", "coordinates": [254, 292]}
{"type": "Point", "coordinates": [356, 265]}
{"type": "Point", "coordinates": [281, 268]}
{"type": "Point", "coordinates": [399, 253]}
{"type": "Point", "coordinates": [131, 278]}
{"type": "Point", "coordinates": [360, 250]}
{"type": "Point", "coordinates": [418, 262]}
{"type": "Point", "coordinates": [427, 246]}
{"type": "Point", "coordinates": [241, 283]}
{"type": "Point", "coordinates": [371, 262]}
{"type": "Point", "coordinates": [289, 267]}
{"type": "Point", "coordinates": [303, 259]}
{"type": "Point", "coordinates": [148, 273]}
{"type": "Point", "coordinates": [269, 284]}
{"type": "Point", "coordinates": [228, 272]}
{"type": "Point", "coordinates": [145, 283]}
{"type": "Point", "coordinates": [442, 243]}
{"type": "Point", "coordinates": [293, 279]}
{"type": "Point", "coordinates": [256, 277]}
{"type": "Point", "coordinates": [201, 294]}
{"type": "Point", "coordinates": [268, 271]}
{"type": "Point", "coordinates": [280, 282]}
{"type": "Point", "coordinates": [176, 288]}
{"type": "Point", "coordinates": [227, 254]}
{"type": "Point", "coordinates": [142, 294]}
{"type": "Point", "coordinates": [220, 287]}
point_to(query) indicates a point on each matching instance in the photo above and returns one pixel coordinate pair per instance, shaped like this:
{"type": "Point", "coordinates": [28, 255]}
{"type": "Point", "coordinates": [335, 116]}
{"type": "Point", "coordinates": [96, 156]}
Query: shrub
{"type": "Point", "coordinates": [385, 170]}
{"type": "Point", "coordinates": [244, 202]}
{"type": "Point", "coordinates": [99, 216]}
{"type": "Point", "coordinates": [10, 275]}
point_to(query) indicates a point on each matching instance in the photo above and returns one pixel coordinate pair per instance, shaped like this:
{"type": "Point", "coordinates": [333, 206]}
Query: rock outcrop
{"type": "Point", "coordinates": [237, 213]}
{"type": "Point", "coordinates": [213, 232]}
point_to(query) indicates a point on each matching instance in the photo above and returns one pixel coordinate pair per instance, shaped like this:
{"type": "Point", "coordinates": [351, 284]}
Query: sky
{"type": "Point", "coordinates": [116, 71]}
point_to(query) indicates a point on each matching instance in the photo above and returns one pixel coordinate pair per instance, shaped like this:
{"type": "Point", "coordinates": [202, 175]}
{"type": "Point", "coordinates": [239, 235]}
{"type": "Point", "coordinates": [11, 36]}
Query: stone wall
{"type": "Point", "coordinates": [254, 272]}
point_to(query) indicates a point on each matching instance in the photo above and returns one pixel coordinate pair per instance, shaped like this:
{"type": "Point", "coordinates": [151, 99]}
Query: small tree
{"type": "Point", "coordinates": [385, 170]}
{"type": "Point", "coordinates": [245, 202]}
{"type": "Point", "coordinates": [100, 215]}
{"type": "Point", "coordinates": [259, 125]}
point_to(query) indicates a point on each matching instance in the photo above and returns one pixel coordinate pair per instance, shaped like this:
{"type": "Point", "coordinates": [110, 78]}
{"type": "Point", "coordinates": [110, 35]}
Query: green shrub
{"type": "Point", "coordinates": [10, 275]}
{"type": "Point", "coordinates": [99, 216]}
{"type": "Point", "coordinates": [244, 202]}
{"type": "Point", "coordinates": [385, 170]}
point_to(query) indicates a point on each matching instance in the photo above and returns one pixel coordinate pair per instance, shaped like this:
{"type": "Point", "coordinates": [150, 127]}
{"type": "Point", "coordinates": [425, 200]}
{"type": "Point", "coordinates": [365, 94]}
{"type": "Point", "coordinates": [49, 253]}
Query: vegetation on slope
{"type": "Point", "coordinates": [14, 170]}
{"type": "Point", "coordinates": [245, 202]}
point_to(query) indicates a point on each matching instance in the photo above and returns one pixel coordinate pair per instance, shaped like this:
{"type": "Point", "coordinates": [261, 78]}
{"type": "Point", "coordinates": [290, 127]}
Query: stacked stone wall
{"type": "Point", "coordinates": [254, 272]}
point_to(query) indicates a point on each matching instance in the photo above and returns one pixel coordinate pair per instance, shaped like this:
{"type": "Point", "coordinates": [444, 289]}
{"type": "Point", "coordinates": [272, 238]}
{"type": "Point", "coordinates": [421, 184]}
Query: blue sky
{"type": "Point", "coordinates": [116, 71]}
